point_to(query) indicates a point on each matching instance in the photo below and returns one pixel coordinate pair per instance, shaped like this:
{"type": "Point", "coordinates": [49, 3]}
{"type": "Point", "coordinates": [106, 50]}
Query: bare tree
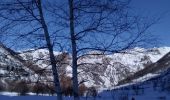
{"type": "Point", "coordinates": [74, 51]}
{"type": "Point", "coordinates": [105, 26]}
{"type": "Point", "coordinates": [20, 12]}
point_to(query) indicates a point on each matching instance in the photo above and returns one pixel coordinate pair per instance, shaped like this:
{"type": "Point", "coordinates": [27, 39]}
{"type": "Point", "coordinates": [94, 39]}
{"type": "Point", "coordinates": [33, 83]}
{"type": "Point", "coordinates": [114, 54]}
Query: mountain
{"type": "Point", "coordinates": [152, 69]}
{"type": "Point", "coordinates": [150, 83]}
{"type": "Point", "coordinates": [104, 71]}
{"type": "Point", "coordinates": [10, 65]}
{"type": "Point", "coordinates": [14, 69]}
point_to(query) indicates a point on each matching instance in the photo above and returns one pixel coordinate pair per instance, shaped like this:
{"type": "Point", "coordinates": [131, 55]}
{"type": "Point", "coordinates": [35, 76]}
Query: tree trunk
{"type": "Point", "coordinates": [52, 57]}
{"type": "Point", "coordinates": [74, 51]}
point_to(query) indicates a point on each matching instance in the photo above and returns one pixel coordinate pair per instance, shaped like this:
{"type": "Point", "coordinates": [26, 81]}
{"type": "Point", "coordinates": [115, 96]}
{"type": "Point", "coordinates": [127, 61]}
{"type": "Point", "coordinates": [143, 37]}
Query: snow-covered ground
{"type": "Point", "coordinates": [119, 94]}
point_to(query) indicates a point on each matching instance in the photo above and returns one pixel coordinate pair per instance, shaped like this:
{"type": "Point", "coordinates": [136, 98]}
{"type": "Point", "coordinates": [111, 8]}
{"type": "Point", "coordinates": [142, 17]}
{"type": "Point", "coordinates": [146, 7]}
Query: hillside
{"type": "Point", "coordinates": [103, 71]}
{"type": "Point", "coordinates": [152, 69]}
{"type": "Point", "coordinates": [154, 88]}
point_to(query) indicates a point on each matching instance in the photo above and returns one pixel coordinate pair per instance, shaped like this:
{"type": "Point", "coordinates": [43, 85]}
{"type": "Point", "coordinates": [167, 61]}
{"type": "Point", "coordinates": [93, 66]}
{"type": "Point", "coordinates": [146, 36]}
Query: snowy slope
{"type": "Point", "coordinates": [101, 71]}
{"type": "Point", "coordinates": [109, 69]}
{"type": "Point", "coordinates": [10, 66]}
{"type": "Point", "coordinates": [13, 68]}
{"type": "Point", "coordinates": [154, 88]}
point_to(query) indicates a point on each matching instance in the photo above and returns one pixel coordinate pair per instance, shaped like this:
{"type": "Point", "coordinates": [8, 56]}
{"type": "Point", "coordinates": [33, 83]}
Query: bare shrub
{"type": "Point", "coordinates": [21, 87]}
{"type": "Point", "coordinates": [51, 89]}
{"type": "Point", "coordinates": [92, 92]}
{"type": "Point", "coordinates": [66, 85]}
{"type": "Point", "coordinates": [82, 89]}
{"type": "Point", "coordinates": [39, 88]}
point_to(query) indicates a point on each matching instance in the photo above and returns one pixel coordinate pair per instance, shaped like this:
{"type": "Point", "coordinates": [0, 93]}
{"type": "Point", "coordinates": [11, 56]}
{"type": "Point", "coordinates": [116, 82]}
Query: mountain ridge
{"type": "Point", "coordinates": [104, 71]}
{"type": "Point", "coordinates": [105, 68]}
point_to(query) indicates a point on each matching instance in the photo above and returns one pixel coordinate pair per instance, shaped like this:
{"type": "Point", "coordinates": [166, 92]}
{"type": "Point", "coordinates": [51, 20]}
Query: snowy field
{"type": "Point", "coordinates": [27, 98]}
{"type": "Point", "coordinates": [118, 94]}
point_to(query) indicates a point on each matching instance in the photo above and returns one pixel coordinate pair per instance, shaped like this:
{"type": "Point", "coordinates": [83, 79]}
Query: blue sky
{"type": "Point", "coordinates": [156, 8]}
{"type": "Point", "coordinates": [152, 8]}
